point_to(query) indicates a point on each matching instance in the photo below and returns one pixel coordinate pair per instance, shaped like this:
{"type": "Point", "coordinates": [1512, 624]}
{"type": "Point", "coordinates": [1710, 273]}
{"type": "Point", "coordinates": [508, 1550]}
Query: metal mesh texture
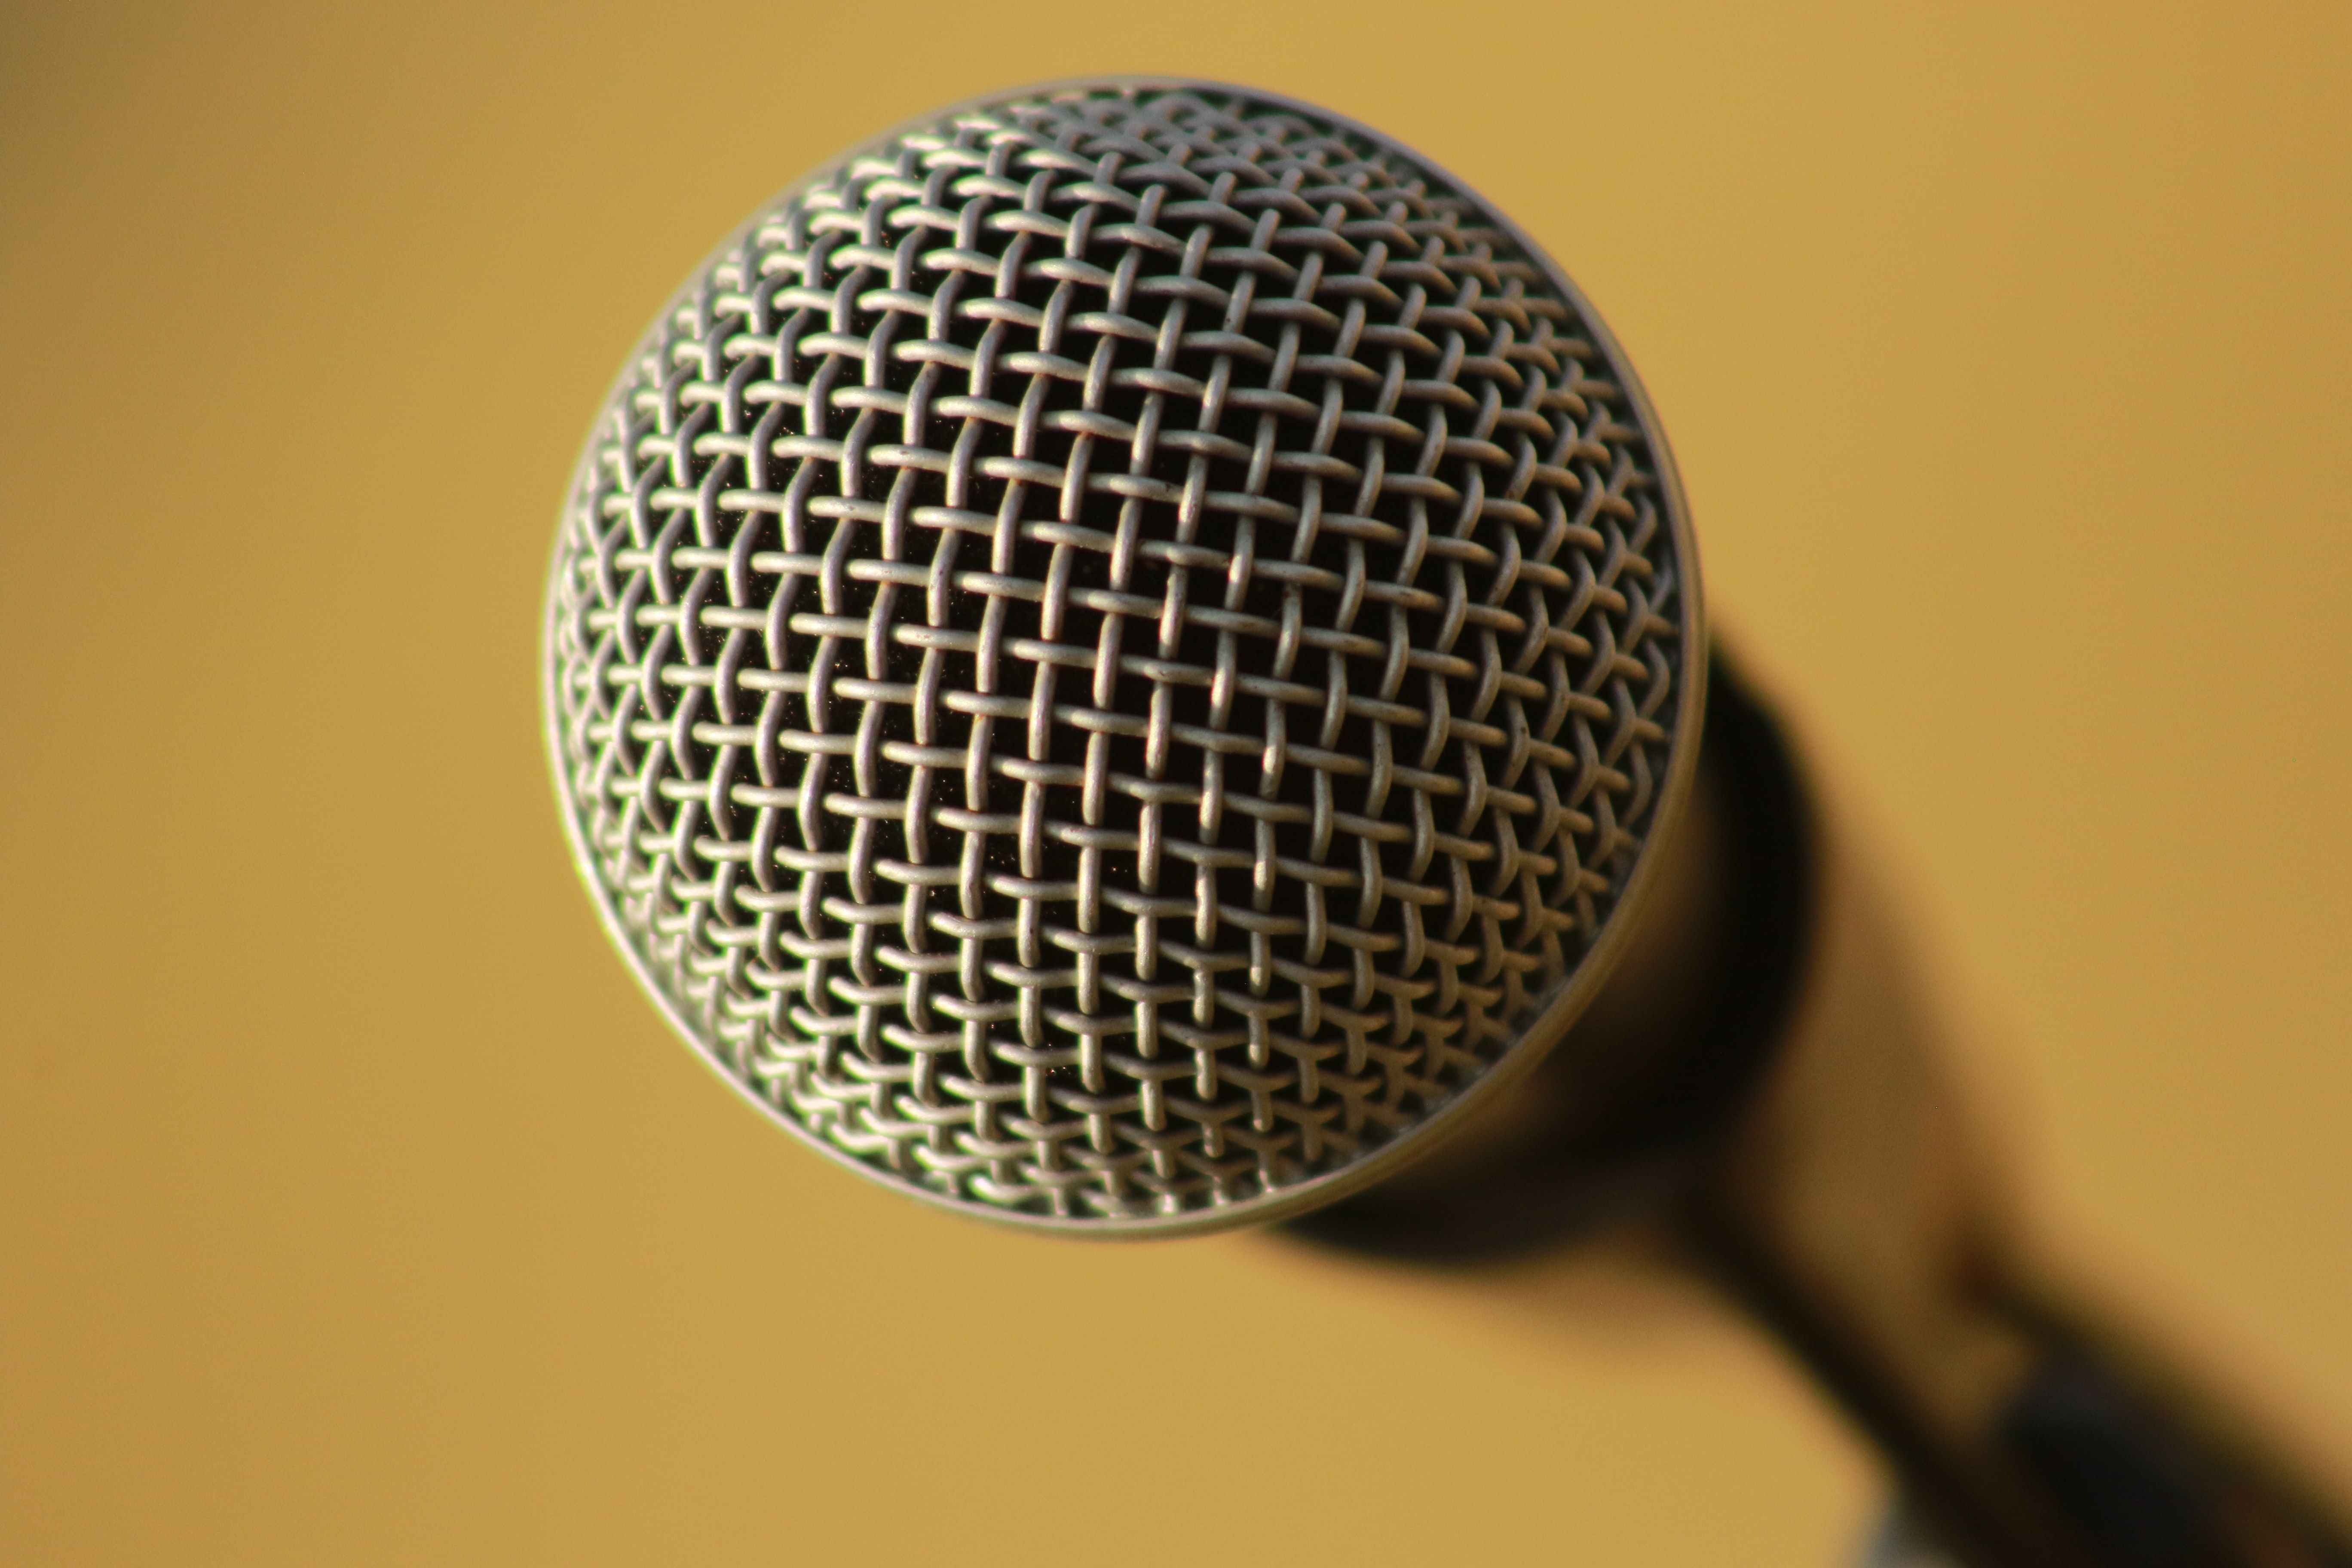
{"type": "Point", "coordinates": [1109, 651]}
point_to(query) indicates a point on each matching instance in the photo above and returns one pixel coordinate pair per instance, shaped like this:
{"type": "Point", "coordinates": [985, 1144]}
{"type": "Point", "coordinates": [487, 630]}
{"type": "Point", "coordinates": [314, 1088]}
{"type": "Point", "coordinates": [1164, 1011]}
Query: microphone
{"type": "Point", "coordinates": [1127, 660]}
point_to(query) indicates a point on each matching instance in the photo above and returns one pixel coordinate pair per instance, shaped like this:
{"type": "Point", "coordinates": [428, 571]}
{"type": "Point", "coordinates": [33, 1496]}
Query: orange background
{"type": "Point", "coordinates": [355, 1208]}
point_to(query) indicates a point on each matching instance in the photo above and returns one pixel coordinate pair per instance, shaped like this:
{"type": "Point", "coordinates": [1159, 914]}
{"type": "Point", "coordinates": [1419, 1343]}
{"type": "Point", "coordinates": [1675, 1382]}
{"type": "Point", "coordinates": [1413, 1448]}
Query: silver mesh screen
{"type": "Point", "coordinates": [1111, 653]}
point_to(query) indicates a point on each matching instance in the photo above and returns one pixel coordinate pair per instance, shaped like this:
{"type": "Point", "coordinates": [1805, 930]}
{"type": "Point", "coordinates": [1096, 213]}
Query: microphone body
{"type": "Point", "coordinates": [1129, 659]}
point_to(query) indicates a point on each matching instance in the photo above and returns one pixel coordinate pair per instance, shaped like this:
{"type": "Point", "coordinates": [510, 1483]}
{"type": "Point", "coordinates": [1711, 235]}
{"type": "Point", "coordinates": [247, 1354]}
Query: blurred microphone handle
{"type": "Point", "coordinates": [2073, 1465]}
{"type": "Point", "coordinates": [1763, 1072]}
{"type": "Point", "coordinates": [2019, 1432]}
{"type": "Point", "coordinates": [1852, 1212]}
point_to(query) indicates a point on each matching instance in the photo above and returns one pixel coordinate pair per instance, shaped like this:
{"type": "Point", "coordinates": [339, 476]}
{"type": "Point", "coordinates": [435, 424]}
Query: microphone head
{"type": "Point", "coordinates": [1118, 657]}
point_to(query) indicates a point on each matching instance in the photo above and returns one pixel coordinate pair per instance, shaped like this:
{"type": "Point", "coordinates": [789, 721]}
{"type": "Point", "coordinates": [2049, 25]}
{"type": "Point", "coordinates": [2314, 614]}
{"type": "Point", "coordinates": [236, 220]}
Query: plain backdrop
{"type": "Point", "coordinates": [354, 1209]}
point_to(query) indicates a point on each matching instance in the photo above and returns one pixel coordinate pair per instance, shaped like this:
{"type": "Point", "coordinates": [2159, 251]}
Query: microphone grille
{"type": "Point", "coordinates": [1115, 653]}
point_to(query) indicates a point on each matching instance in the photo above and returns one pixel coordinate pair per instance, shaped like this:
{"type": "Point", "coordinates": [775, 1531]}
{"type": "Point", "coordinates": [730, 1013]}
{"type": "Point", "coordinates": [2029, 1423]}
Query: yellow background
{"type": "Point", "coordinates": [354, 1209]}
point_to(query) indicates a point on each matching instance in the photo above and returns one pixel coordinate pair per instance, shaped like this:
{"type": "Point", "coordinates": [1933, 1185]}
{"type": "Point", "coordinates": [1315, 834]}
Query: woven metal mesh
{"type": "Point", "coordinates": [1109, 651]}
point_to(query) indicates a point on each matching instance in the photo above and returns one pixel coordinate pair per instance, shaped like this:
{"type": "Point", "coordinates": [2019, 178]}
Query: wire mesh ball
{"type": "Point", "coordinates": [1112, 658]}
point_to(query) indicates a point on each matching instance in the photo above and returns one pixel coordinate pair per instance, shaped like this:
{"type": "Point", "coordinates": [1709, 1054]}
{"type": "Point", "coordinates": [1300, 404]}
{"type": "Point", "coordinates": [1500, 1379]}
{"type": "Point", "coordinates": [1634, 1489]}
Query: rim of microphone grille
{"type": "Point", "coordinates": [1552, 1017]}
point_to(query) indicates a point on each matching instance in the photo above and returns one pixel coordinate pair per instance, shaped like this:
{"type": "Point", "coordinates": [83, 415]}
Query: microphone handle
{"type": "Point", "coordinates": [1849, 1208]}
{"type": "Point", "coordinates": [2090, 1458]}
